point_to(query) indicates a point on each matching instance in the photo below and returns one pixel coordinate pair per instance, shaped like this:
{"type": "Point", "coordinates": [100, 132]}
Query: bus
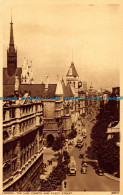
{"type": "Point", "coordinates": [72, 166]}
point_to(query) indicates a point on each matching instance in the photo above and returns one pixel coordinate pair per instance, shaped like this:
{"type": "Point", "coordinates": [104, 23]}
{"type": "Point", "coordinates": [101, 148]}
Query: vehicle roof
{"type": "Point", "coordinates": [72, 157]}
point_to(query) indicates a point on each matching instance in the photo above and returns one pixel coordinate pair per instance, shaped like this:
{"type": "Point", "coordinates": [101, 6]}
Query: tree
{"type": "Point", "coordinates": [72, 134]}
{"type": "Point", "coordinates": [105, 150]}
{"type": "Point", "coordinates": [58, 143]}
{"type": "Point", "coordinates": [108, 157]}
{"type": "Point", "coordinates": [66, 158]}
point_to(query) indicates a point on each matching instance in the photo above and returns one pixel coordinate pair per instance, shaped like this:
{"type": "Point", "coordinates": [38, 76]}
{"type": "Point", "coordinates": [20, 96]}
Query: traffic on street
{"type": "Point", "coordinates": [87, 178]}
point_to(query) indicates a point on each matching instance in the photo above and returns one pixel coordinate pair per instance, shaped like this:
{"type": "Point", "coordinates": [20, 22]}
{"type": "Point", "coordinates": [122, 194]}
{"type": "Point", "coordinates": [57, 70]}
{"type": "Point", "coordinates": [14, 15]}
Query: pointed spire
{"type": "Point", "coordinates": [59, 89]}
{"type": "Point", "coordinates": [23, 65]}
{"type": "Point", "coordinates": [72, 55]}
{"type": "Point", "coordinates": [11, 34]}
{"type": "Point", "coordinates": [72, 71]}
{"type": "Point", "coordinates": [11, 54]}
{"type": "Point", "coordinates": [91, 85]}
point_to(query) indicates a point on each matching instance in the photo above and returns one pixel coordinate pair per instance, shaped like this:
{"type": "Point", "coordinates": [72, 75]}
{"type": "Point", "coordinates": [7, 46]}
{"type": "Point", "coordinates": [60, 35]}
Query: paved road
{"type": "Point", "coordinates": [90, 181]}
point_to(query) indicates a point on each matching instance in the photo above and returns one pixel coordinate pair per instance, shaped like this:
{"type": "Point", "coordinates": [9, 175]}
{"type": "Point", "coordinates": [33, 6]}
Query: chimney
{"type": "Point", "coordinates": [59, 89]}
{"type": "Point", "coordinates": [16, 83]}
{"type": "Point", "coordinates": [17, 88]}
{"type": "Point", "coordinates": [46, 82]}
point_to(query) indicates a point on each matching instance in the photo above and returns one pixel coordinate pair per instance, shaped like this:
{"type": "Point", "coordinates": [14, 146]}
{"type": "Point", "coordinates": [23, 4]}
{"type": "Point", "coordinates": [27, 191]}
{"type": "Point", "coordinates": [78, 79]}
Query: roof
{"type": "Point", "coordinates": [72, 71]}
{"type": "Point", "coordinates": [65, 92]}
{"type": "Point", "coordinates": [10, 80]}
{"type": "Point", "coordinates": [8, 90]}
{"type": "Point", "coordinates": [33, 89]}
{"type": "Point", "coordinates": [69, 91]}
{"type": "Point", "coordinates": [51, 90]}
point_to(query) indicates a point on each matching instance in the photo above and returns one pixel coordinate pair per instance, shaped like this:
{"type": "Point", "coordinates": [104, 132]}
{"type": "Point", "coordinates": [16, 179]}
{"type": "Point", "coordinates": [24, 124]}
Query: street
{"type": "Point", "coordinates": [89, 181]}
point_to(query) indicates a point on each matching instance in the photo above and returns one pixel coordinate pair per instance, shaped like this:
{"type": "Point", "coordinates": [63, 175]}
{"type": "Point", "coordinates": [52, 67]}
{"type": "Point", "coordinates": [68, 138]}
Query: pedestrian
{"type": "Point", "coordinates": [65, 184]}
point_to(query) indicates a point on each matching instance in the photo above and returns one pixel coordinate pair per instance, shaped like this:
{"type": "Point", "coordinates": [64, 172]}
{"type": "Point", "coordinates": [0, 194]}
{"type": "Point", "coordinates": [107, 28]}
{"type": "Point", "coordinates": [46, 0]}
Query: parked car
{"type": "Point", "coordinates": [81, 155]}
{"type": "Point", "coordinates": [99, 171]}
{"type": "Point", "coordinates": [84, 170]}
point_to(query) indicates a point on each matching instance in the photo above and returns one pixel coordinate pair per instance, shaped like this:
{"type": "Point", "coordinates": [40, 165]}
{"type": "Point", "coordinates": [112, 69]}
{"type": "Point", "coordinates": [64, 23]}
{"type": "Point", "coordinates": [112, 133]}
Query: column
{"type": "Point", "coordinates": [18, 149]}
{"type": "Point", "coordinates": [37, 137]}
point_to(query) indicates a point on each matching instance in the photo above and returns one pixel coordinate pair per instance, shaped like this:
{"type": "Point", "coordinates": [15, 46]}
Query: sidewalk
{"type": "Point", "coordinates": [48, 155]}
{"type": "Point", "coordinates": [112, 177]}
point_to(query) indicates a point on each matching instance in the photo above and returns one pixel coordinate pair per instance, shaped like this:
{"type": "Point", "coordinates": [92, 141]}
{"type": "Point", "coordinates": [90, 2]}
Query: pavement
{"type": "Point", "coordinates": [48, 155]}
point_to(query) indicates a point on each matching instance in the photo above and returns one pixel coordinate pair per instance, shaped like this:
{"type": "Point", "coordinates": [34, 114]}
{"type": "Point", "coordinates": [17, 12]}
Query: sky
{"type": "Point", "coordinates": [48, 32]}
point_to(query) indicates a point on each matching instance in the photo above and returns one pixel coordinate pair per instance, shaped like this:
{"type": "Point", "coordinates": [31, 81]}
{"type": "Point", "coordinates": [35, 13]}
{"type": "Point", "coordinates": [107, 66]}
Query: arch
{"type": "Point", "coordinates": [50, 140]}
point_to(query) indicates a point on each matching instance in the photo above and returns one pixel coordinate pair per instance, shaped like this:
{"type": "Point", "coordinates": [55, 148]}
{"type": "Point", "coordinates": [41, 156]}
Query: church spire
{"type": "Point", "coordinates": [11, 54]}
{"type": "Point", "coordinates": [11, 34]}
{"type": "Point", "coordinates": [72, 55]}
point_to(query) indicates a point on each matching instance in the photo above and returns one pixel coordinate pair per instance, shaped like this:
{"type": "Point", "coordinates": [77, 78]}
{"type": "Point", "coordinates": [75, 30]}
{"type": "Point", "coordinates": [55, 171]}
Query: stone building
{"type": "Point", "coordinates": [83, 104]}
{"type": "Point", "coordinates": [113, 132]}
{"type": "Point", "coordinates": [27, 74]}
{"type": "Point", "coordinates": [22, 142]}
{"type": "Point", "coordinates": [57, 113]}
{"type": "Point", "coordinates": [22, 125]}
{"type": "Point", "coordinates": [72, 78]}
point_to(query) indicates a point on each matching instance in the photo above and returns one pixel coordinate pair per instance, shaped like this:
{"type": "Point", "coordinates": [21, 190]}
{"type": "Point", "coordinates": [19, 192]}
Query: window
{"type": "Point", "coordinates": [14, 166]}
{"type": "Point", "coordinates": [36, 108]}
{"type": "Point", "coordinates": [12, 113]}
{"type": "Point", "coordinates": [13, 131]}
{"type": "Point", "coordinates": [4, 113]}
{"type": "Point", "coordinates": [5, 135]}
{"type": "Point", "coordinates": [74, 84]}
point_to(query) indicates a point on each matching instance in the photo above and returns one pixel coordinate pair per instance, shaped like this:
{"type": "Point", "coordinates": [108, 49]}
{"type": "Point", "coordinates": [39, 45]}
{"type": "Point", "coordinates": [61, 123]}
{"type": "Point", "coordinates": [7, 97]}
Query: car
{"type": "Point", "coordinates": [99, 171]}
{"type": "Point", "coordinates": [84, 136]}
{"type": "Point", "coordinates": [81, 155]}
{"type": "Point", "coordinates": [79, 143]}
{"type": "Point", "coordinates": [84, 163]}
{"type": "Point", "coordinates": [84, 170]}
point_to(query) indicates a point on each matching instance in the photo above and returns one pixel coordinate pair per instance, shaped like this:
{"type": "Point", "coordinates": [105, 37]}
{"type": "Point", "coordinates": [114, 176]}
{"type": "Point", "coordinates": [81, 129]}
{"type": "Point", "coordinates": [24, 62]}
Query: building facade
{"type": "Point", "coordinates": [22, 142]}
